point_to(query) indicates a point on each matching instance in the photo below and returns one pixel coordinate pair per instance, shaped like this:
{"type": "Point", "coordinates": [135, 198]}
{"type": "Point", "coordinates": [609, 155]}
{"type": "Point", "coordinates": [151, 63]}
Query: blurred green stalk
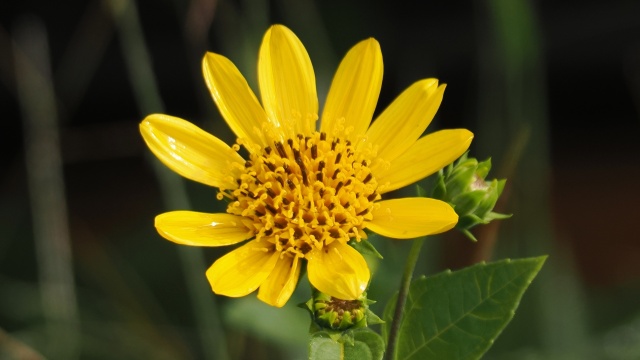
{"type": "Point", "coordinates": [46, 189]}
{"type": "Point", "coordinates": [513, 103]}
{"type": "Point", "coordinates": [140, 67]}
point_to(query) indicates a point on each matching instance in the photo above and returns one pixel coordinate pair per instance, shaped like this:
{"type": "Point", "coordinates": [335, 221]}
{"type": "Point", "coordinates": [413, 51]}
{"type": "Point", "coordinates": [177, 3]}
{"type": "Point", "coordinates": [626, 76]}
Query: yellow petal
{"type": "Point", "coordinates": [235, 99]}
{"type": "Point", "coordinates": [354, 92]}
{"type": "Point", "coordinates": [426, 156]}
{"type": "Point", "coordinates": [287, 82]}
{"type": "Point", "coordinates": [412, 217]}
{"type": "Point", "coordinates": [202, 229]}
{"type": "Point", "coordinates": [243, 270]}
{"type": "Point", "coordinates": [404, 121]}
{"type": "Point", "coordinates": [281, 283]}
{"type": "Point", "coordinates": [338, 270]}
{"type": "Point", "coordinates": [191, 151]}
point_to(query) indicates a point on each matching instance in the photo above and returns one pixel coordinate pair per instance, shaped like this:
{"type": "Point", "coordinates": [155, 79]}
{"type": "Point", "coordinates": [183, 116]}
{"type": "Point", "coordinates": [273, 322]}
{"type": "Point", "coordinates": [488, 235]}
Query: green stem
{"type": "Point", "coordinates": [46, 185]}
{"type": "Point", "coordinates": [402, 297]}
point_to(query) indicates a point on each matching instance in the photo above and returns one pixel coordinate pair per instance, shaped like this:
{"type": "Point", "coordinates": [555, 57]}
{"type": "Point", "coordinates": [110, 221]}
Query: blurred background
{"type": "Point", "coordinates": [550, 88]}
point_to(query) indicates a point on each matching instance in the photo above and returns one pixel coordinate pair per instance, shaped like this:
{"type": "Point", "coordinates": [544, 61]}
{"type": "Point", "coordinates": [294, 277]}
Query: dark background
{"type": "Point", "coordinates": [550, 88]}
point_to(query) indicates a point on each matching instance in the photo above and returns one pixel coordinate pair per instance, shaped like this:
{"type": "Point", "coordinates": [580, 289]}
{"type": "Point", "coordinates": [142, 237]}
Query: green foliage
{"type": "Point", "coordinates": [458, 315]}
{"type": "Point", "coordinates": [365, 247]}
{"type": "Point", "coordinates": [362, 343]}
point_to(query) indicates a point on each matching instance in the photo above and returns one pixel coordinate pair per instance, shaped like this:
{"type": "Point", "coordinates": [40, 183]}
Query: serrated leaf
{"type": "Point", "coordinates": [458, 315]}
{"type": "Point", "coordinates": [369, 339]}
{"type": "Point", "coordinates": [363, 343]}
{"type": "Point", "coordinates": [324, 348]}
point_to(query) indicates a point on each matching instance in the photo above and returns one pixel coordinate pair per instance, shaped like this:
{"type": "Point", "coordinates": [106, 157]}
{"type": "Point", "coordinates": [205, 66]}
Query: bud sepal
{"type": "Point", "coordinates": [335, 316]}
{"type": "Point", "coordinates": [462, 184]}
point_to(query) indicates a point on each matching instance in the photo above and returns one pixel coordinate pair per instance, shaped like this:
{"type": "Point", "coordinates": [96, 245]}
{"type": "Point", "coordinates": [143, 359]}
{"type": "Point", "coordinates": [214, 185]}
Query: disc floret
{"type": "Point", "coordinates": [306, 192]}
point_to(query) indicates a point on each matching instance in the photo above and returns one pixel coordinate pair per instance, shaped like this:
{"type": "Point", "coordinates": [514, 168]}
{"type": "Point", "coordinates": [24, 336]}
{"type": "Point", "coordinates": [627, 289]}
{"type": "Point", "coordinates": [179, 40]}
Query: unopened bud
{"type": "Point", "coordinates": [337, 314]}
{"type": "Point", "coordinates": [463, 185]}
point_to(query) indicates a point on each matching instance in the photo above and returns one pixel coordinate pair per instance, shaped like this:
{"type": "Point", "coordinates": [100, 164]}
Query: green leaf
{"type": "Point", "coordinates": [362, 343]}
{"type": "Point", "coordinates": [323, 347]}
{"type": "Point", "coordinates": [458, 315]}
{"type": "Point", "coordinates": [365, 247]}
{"type": "Point", "coordinates": [370, 340]}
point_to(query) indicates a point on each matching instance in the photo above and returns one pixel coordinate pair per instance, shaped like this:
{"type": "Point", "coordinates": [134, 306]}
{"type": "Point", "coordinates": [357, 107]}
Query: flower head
{"type": "Point", "coordinates": [301, 193]}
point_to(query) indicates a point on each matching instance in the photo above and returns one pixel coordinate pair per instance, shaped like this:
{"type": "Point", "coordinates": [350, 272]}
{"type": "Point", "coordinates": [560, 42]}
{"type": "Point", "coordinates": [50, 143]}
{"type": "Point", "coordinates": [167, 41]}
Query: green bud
{"type": "Point", "coordinates": [337, 314]}
{"type": "Point", "coordinates": [462, 184]}
{"type": "Point", "coordinates": [329, 313]}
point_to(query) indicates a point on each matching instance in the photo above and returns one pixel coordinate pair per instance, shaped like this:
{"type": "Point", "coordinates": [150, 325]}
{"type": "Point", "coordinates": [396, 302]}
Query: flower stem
{"type": "Point", "coordinates": [402, 297]}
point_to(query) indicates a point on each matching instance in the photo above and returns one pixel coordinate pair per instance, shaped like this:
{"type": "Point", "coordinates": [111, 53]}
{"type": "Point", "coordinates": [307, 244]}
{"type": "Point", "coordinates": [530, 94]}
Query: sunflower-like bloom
{"type": "Point", "coordinates": [303, 193]}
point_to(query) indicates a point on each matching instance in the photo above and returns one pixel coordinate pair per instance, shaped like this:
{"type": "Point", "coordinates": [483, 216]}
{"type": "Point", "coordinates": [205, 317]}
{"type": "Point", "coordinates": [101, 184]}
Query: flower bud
{"type": "Point", "coordinates": [330, 313]}
{"type": "Point", "coordinates": [462, 184]}
{"type": "Point", "coordinates": [337, 314]}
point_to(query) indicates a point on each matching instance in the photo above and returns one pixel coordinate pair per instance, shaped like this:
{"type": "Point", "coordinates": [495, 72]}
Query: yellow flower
{"type": "Point", "coordinates": [303, 193]}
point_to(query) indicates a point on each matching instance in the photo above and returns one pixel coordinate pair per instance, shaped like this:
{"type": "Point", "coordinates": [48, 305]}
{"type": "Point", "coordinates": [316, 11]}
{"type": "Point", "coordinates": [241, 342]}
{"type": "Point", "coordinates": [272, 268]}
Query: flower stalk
{"type": "Point", "coordinates": [401, 301]}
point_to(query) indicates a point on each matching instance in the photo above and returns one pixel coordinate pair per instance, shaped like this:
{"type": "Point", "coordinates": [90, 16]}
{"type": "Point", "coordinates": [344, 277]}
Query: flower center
{"type": "Point", "coordinates": [306, 192]}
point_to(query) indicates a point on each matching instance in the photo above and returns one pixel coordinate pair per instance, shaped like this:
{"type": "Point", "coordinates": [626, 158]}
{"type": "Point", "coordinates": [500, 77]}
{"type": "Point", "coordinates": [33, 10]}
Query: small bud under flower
{"type": "Point", "coordinates": [330, 313]}
{"type": "Point", "coordinates": [462, 184]}
{"type": "Point", "coordinates": [337, 314]}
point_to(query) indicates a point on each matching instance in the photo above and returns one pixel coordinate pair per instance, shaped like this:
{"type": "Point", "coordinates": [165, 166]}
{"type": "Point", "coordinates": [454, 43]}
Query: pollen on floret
{"type": "Point", "coordinates": [305, 192]}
